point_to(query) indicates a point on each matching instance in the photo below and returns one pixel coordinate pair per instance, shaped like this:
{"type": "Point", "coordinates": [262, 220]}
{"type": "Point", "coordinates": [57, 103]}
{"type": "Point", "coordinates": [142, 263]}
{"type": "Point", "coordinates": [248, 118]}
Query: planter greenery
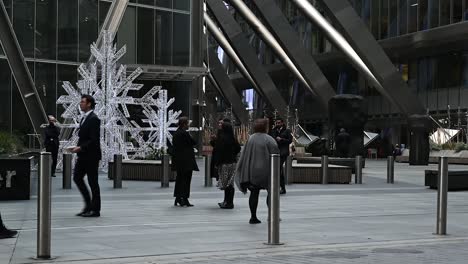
{"type": "Point", "coordinates": [9, 144]}
{"type": "Point", "coordinates": [460, 146]}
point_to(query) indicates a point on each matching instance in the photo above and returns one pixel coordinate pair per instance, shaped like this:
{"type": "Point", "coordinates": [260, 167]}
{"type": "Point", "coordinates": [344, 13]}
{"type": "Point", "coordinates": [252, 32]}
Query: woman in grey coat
{"type": "Point", "coordinates": [253, 168]}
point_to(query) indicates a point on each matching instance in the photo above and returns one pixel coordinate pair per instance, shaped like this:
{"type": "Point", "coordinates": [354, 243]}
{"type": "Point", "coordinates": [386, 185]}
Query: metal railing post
{"type": "Point", "coordinates": [165, 171]}
{"type": "Point", "coordinates": [288, 170]}
{"type": "Point", "coordinates": [358, 170]}
{"type": "Point", "coordinates": [324, 169]}
{"type": "Point", "coordinates": [274, 201]}
{"type": "Point", "coordinates": [44, 206]}
{"type": "Point", "coordinates": [390, 169]}
{"type": "Point", "coordinates": [67, 170]}
{"type": "Point", "coordinates": [442, 188]}
{"type": "Point", "coordinates": [208, 180]}
{"type": "Point", "coordinates": [117, 171]}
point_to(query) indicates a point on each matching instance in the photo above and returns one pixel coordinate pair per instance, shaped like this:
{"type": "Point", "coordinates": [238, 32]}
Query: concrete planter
{"type": "Point", "coordinates": [141, 170]}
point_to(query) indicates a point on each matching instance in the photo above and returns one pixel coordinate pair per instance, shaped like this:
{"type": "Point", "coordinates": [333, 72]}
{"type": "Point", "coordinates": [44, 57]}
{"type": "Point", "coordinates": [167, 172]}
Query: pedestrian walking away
{"type": "Point", "coordinates": [51, 141]}
{"type": "Point", "coordinates": [89, 154]}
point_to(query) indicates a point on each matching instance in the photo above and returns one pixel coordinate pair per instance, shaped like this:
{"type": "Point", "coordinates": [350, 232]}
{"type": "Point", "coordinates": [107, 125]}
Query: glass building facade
{"type": "Point", "coordinates": [55, 37]}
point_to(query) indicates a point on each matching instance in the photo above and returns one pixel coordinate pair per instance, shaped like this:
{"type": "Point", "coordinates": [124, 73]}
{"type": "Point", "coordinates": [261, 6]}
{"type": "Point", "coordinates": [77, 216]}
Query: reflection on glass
{"type": "Point", "coordinates": [65, 73]}
{"type": "Point", "coordinates": [5, 96]}
{"type": "Point", "coordinates": [23, 24]}
{"type": "Point", "coordinates": [384, 19]}
{"type": "Point", "coordinates": [88, 26]}
{"type": "Point", "coordinates": [127, 35]}
{"type": "Point", "coordinates": [163, 47]}
{"type": "Point", "coordinates": [164, 3]}
{"type": "Point", "coordinates": [146, 2]}
{"type": "Point", "coordinates": [46, 26]}
{"type": "Point", "coordinates": [375, 6]}
{"type": "Point", "coordinates": [444, 12]}
{"type": "Point", "coordinates": [433, 13]}
{"type": "Point", "coordinates": [145, 36]}
{"type": "Point", "coordinates": [393, 19]}
{"type": "Point", "coordinates": [465, 11]}
{"type": "Point", "coordinates": [403, 17]}
{"type": "Point", "coordinates": [182, 4]}
{"type": "Point", "coordinates": [457, 11]}
{"type": "Point", "coordinates": [423, 20]}
{"type": "Point", "coordinates": [67, 30]}
{"type": "Point", "coordinates": [103, 9]}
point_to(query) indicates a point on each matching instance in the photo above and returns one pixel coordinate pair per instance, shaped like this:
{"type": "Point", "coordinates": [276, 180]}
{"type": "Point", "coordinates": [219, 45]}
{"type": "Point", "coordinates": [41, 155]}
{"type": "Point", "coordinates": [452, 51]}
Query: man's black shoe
{"type": "Point", "coordinates": [7, 233]}
{"type": "Point", "coordinates": [82, 213]}
{"type": "Point", "coordinates": [283, 191]}
{"type": "Point", "coordinates": [91, 214]}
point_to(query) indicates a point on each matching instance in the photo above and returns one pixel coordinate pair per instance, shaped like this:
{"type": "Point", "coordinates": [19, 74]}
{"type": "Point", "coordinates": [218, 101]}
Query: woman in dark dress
{"type": "Point", "coordinates": [224, 158]}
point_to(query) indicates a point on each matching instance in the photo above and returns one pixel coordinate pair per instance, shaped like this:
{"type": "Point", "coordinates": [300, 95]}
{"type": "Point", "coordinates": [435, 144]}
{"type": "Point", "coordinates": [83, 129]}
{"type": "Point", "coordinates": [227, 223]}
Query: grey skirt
{"type": "Point", "coordinates": [226, 174]}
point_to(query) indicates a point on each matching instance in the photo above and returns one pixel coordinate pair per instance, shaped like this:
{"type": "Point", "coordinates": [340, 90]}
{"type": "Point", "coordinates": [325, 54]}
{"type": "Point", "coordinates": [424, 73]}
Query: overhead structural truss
{"type": "Point", "coordinates": [238, 40]}
{"type": "Point", "coordinates": [289, 40]}
{"type": "Point", "coordinates": [21, 74]}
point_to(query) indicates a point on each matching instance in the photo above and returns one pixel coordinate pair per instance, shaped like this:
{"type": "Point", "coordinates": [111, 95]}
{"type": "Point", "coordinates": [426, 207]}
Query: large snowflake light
{"type": "Point", "coordinates": [108, 83]}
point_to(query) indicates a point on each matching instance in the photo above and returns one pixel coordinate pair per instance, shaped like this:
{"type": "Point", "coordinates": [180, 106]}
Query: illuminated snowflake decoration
{"type": "Point", "coordinates": [108, 83]}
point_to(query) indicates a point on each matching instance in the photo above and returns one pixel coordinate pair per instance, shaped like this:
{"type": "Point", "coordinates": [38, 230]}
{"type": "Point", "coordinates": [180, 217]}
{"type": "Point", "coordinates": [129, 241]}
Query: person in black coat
{"type": "Point", "coordinates": [283, 137]}
{"type": "Point", "coordinates": [224, 159]}
{"type": "Point", "coordinates": [183, 161]}
{"type": "Point", "coordinates": [51, 141]}
{"type": "Point", "coordinates": [89, 154]}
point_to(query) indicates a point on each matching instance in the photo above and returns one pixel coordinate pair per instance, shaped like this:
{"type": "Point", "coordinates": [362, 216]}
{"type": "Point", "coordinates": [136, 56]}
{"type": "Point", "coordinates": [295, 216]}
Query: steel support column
{"type": "Point", "coordinates": [291, 43]}
{"type": "Point", "coordinates": [227, 89]}
{"type": "Point", "coordinates": [368, 49]}
{"type": "Point", "coordinates": [21, 74]}
{"type": "Point", "coordinates": [244, 50]}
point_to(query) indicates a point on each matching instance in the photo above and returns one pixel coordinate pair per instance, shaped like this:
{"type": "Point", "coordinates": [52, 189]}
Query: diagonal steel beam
{"type": "Point", "coordinates": [226, 87]}
{"type": "Point", "coordinates": [369, 50]}
{"type": "Point", "coordinates": [239, 42]}
{"type": "Point", "coordinates": [291, 44]}
{"type": "Point", "coordinates": [21, 74]}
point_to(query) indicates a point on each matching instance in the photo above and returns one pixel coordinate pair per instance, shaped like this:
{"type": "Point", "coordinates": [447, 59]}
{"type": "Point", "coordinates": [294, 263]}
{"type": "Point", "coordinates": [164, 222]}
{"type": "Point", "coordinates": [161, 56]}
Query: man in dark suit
{"type": "Point", "coordinates": [51, 141]}
{"type": "Point", "coordinates": [283, 137]}
{"type": "Point", "coordinates": [183, 161]}
{"type": "Point", "coordinates": [89, 155]}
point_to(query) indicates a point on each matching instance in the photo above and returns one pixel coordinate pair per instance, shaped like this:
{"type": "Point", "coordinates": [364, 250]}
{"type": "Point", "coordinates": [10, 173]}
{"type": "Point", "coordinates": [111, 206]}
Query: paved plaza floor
{"type": "Point", "coordinates": [370, 223]}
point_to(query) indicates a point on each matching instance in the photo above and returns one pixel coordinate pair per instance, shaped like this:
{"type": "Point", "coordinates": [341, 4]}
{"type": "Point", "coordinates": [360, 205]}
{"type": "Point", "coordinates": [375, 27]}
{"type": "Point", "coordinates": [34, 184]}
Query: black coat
{"type": "Point", "coordinates": [225, 151]}
{"type": "Point", "coordinates": [286, 139]}
{"type": "Point", "coordinates": [89, 138]}
{"type": "Point", "coordinates": [51, 137]}
{"type": "Point", "coordinates": [183, 156]}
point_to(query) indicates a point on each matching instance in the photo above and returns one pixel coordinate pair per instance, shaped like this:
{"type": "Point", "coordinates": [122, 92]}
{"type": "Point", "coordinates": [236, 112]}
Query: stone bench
{"type": "Point", "coordinates": [457, 180]}
{"type": "Point", "coordinates": [141, 170]}
{"type": "Point", "coordinates": [347, 162]}
{"type": "Point", "coordinates": [311, 173]}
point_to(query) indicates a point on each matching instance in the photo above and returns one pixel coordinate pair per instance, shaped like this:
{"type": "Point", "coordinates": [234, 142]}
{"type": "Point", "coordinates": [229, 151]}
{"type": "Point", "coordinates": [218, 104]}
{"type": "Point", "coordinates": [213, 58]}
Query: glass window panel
{"type": "Point", "coordinates": [23, 24]}
{"type": "Point", "coordinates": [21, 124]}
{"type": "Point", "coordinates": [375, 18]}
{"type": "Point", "coordinates": [145, 36]}
{"type": "Point", "coordinates": [181, 39]}
{"type": "Point", "coordinates": [413, 16]}
{"type": "Point", "coordinates": [146, 2]}
{"type": "Point", "coordinates": [127, 35]}
{"type": "Point", "coordinates": [88, 27]}
{"type": "Point", "coordinates": [444, 12]}
{"type": "Point", "coordinates": [46, 29]}
{"type": "Point", "coordinates": [67, 30]}
{"type": "Point", "coordinates": [7, 4]}
{"type": "Point", "coordinates": [448, 71]}
{"type": "Point", "coordinates": [103, 9]}
{"type": "Point", "coordinates": [5, 96]}
{"type": "Point", "coordinates": [65, 73]}
{"type": "Point", "coordinates": [163, 47]}
{"type": "Point", "coordinates": [465, 11]}
{"type": "Point", "coordinates": [182, 4]}
{"type": "Point", "coordinates": [164, 3]}
{"type": "Point", "coordinates": [433, 13]}
{"type": "Point", "coordinates": [45, 85]}
{"type": "Point", "coordinates": [423, 20]}
{"type": "Point", "coordinates": [457, 10]}
{"type": "Point", "coordinates": [383, 19]}
{"type": "Point", "coordinates": [403, 17]}
{"type": "Point", "coordinates": [393, 18]}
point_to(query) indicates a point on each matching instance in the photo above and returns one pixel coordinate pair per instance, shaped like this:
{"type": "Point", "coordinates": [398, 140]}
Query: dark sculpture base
{"type": "Point", "coordinates": [419, 127]}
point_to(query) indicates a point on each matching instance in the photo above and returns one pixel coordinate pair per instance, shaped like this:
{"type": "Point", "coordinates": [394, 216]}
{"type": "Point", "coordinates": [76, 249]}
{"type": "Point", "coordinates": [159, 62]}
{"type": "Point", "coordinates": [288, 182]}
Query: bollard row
{"type": "Point", "coordinates": [274, 201]}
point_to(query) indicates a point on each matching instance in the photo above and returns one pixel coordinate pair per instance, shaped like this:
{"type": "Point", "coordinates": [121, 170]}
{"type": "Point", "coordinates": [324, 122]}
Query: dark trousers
{"type": "Point", "coordinates": [282, 181]}
{"type": "Point", "coordinates": [54, 151]}
{"type": "Point", "coordinates": [253, 201]}
{"type": "Point", "coordinates": [90, 168]}
{"type": "Point", "coordinates": [182, 184]}
{"type": "Point", "coordinates": [229, 195]}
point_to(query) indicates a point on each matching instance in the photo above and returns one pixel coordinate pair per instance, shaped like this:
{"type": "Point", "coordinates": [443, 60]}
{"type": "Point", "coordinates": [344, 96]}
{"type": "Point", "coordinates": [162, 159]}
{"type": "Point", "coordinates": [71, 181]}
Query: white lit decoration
{"type": "Point", "coordinates": [108, 83]}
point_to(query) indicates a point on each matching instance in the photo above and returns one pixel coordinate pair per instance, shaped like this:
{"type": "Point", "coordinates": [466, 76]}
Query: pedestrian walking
{"type": "Point", "coordinates": [51, 141]}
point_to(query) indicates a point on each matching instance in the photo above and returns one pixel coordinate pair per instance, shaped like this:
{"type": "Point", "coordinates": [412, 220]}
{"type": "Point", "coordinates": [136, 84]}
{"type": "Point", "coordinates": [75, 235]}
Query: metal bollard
{"type": "Point", "coordinates": [44, 206]}
{"type": "Point", "coordinates": [165, 171]}
{"type": "Point", "coordinates": [288, 170]}
{"type": "Point", "coordinates": [358, 174]}
{"type": "Point", "coordinates": [208, 180]}
{"type": "Point", "coordinates": [390, 169]}
{"type": "Point", "coordinates": [117, 171]}
{"type": "Point", "coordinates": [274, 201]}
{"type": "Point", "coordinates": [324, 169]}
{"type": "Point", "coordinates": [67, 170]}
{"type": "Point", "coordinates": [442, 189]}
